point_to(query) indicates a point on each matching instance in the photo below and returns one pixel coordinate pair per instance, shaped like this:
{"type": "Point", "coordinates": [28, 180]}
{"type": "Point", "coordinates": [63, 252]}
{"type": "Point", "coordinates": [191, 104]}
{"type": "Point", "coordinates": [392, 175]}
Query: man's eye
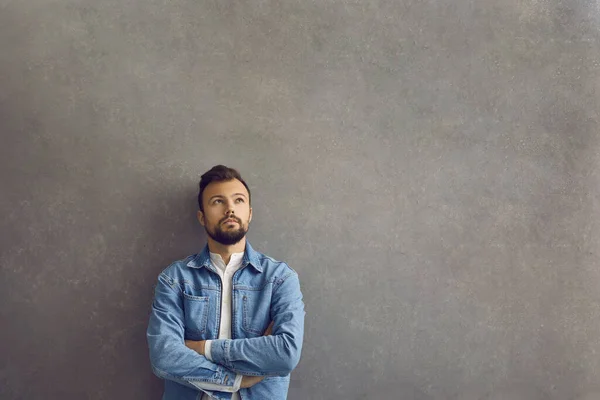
{"type": "Point", "coordinates": [217, 201]}
{"type": "Point", "coordinates": [240, 199]}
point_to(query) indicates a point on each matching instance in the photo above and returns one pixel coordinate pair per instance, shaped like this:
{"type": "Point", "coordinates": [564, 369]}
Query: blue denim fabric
{"type": "Point", "coordinates": [187, 305]}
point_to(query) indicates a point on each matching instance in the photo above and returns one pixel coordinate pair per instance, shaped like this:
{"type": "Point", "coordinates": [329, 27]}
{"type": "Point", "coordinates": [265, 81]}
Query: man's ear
{"type": "Point", "coordinates": [250, 217]}
{"type": "Point", "coordinates": [200, 216]}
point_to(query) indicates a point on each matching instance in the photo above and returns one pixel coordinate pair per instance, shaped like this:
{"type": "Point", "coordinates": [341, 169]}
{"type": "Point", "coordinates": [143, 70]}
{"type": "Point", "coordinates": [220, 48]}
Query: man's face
{"type": "Point", "coordinates": [227, 213]}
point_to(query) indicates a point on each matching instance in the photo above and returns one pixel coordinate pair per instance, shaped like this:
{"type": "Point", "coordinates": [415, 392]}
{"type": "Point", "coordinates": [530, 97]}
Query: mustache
{"type": "Point", "coordinates": [234, 218]}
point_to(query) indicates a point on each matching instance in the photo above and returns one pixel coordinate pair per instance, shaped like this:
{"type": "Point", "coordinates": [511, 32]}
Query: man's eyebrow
{"type": "Point", "coordinates": [220, 195]}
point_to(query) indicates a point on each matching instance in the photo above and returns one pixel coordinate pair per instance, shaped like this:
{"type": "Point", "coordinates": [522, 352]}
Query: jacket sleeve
{"type": "Point", "coordinates": [276, 354]}
{"type": "Point", "coordinates": [169, 356]}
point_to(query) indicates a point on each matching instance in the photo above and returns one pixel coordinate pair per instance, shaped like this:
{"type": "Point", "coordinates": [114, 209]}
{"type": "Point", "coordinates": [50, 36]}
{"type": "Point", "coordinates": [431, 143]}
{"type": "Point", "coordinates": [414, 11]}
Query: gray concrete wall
{"type": "Point", "coordinates": [429, 168]}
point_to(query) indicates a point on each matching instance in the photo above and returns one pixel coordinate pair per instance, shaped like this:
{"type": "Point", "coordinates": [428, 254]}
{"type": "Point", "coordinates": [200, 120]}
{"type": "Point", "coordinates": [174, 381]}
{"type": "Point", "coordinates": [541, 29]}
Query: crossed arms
{"type": "Point", "coordinates": [276, 353]}
{"type": "Point", "coordinates": [200, 347]}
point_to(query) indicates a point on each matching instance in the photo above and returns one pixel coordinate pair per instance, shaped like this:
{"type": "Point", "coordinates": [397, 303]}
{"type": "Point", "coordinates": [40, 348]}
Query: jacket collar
{"type": "Point", "coordinates": [202, 259]}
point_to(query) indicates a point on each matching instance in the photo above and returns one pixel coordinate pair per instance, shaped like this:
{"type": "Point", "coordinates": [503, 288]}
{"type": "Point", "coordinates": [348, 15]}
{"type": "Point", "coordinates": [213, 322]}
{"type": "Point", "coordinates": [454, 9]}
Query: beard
{"type": "Point", "coordinates": [228, 237]}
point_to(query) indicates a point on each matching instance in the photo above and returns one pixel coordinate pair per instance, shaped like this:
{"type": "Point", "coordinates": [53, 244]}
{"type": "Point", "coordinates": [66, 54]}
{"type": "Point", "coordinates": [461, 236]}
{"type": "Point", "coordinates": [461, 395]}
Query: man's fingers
{"type": "Point", "coordinates": [249, 381]}
{"type": "Point", "coordinates": [269, 330]}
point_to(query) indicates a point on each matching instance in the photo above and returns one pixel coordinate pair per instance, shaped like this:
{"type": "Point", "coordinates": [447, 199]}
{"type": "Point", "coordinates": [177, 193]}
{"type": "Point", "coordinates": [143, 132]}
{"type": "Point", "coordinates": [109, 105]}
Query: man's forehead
{"type": "Point", "coordinates": [226, 188]}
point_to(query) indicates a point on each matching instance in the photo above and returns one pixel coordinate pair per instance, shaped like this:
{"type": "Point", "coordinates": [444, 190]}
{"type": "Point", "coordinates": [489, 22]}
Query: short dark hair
{"type": "Point", "coordinates": [219, 173]}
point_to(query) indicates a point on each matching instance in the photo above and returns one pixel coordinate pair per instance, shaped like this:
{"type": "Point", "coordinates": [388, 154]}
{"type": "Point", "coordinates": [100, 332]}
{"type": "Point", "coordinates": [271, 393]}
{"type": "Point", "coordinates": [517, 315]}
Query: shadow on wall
{"type": "Point", "coordinates": [172, 233]}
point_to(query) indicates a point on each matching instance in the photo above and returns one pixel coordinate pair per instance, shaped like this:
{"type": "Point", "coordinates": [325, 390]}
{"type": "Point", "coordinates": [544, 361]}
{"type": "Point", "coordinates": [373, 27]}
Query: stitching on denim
{"type": "Point", "coordinates": [263, 257]}
{"type": "Point", "coordinates": [198, 287]}
{"type": "Point", "coordinates": [179, 284]}
{"type": "Point", "coordinates": [170, 281]}
{"type": "Point", "coordinates": [205, 309]}
{"type": "Point", "coordinates": [281, 280]}
{"type": "Point", "coordinates": [216, 380]}
{"type": "Point", "coordinates": [184, 378]}
{"type": "Point", "coordinates": [254, 288]}
{"type": "Point", "coordinates": [285, 265]}
{"type": "Point", "coordinates": [196, 298]}
{"type": "Point", "coordinates": [245, 324]}
{"type": "Point", "coordinates": [251, 373]}
{"type": "Point", "coordinates": [228, 354]}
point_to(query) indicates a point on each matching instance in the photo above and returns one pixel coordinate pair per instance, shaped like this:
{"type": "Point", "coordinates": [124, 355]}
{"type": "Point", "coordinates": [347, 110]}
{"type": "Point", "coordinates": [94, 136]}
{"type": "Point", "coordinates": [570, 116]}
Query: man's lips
{"type": "Point", "coordinates": [229, 221]}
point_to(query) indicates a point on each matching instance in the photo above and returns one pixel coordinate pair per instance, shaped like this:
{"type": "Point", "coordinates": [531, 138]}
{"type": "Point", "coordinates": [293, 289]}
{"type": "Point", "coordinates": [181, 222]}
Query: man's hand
{"type": "Point", "coordinates": [249, 381]}
{"type": "Point", "coordinates": [197, 345]}
{"type": "Point", "coordinates": [269, 330]}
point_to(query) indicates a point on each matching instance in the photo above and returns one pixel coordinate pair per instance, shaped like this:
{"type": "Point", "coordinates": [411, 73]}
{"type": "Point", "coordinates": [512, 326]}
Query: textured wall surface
{"type": "Point", "coordinates": [430, 169]}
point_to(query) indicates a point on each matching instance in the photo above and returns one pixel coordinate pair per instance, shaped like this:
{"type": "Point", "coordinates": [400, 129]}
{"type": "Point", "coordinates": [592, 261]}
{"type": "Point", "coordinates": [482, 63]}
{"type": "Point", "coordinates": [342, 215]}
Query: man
{"type": "Point", "coordinates": [226, 323]}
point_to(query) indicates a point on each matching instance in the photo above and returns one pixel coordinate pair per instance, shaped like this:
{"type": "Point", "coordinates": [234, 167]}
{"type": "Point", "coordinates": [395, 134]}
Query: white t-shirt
{"type": "Point", "coordinates": [226, 273]}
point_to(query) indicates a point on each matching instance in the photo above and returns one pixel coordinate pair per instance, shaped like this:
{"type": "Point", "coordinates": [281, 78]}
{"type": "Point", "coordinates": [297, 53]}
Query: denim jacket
{"type": "Point", "coordinates": [187, 306]}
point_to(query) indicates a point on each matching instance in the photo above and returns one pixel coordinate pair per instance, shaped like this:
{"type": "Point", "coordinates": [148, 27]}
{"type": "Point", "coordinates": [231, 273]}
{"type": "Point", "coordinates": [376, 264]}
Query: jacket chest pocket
{"type": "Point", "coordinates": [196, 314]}
{"type": "Point", "coordinates": [256, 310]}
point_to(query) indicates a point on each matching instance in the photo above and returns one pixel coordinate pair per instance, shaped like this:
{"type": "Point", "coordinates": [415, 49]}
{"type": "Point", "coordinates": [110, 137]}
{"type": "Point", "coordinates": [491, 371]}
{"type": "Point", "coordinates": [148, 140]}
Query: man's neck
{"type": "Point", "coordinates": [225, 251]}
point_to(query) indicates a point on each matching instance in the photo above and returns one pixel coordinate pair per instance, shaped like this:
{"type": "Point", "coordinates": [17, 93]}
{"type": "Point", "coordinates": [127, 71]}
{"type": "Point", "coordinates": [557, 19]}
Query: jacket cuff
{"type": "Point", "coordinates": [219, 352]}
{"type": "Point", "coordinates": [226, 377]}
{"type": "Point", "coordinates": [224, 382]}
